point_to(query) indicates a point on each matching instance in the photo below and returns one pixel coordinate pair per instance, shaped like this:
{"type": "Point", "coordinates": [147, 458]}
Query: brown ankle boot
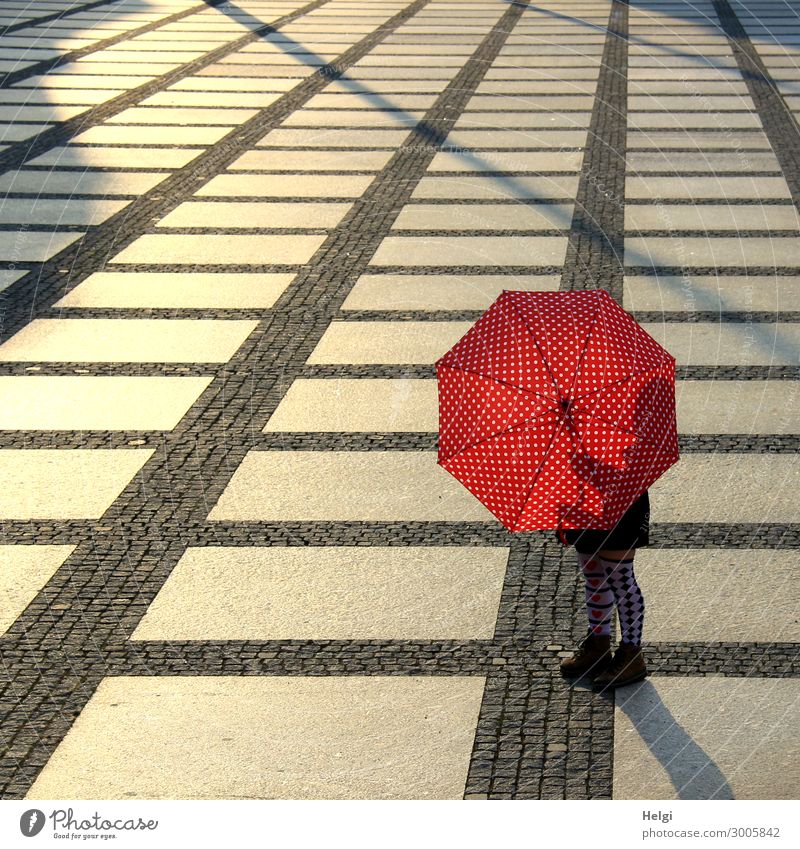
{"type": "Point", "coordinates": [628, 666]}
{"type": "Point", "coordinates": [593, 656]}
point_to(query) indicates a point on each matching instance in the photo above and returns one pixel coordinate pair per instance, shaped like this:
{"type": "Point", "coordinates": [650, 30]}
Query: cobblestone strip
{"type": "Point", "coordinates": [753, 443]}
{"type": "Point", "coordinates": [469, 657]}
{"type": "Point", "coordinates": [726, 372]}
{"type": "Point", "coordinates": [54, 16]}
{"type": "Point", "coordinates": [712, 535]}
{"type": "Point", "coordinates": [103, 589]}
{"type": "Point", "coordinates": [417, 441]}
{"type": "Point", "coordinates": [682, 372]}
{"type": "Point", "coordinates": [642, 316]}
{"type": "Point", "coordinates": [761, 317]}
{"type": "Point", "coordinates": [596, 245]}
{"type": "Point", "coordinates": [779, 124]}
{"type": "Point", "coordinates": [579, 759]}
{"type": "Point", "coordinates": [521, 746]}
{"type": "Point", "coordinates": [13, 77]}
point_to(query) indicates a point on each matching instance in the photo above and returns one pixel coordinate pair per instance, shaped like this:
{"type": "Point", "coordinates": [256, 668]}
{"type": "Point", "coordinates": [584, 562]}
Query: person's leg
{"type": "Point", "coordinates": [618, 567]}
{"type": "Point", "coordinates": [594, 654]}
{"type": "Point", "coordinates": [628, 664]}
{"type": "Point", "coordinates": [599, 597]}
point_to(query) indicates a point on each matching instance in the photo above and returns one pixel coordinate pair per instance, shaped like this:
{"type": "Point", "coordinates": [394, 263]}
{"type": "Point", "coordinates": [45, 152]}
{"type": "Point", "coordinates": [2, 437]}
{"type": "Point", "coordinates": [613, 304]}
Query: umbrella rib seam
{"type": "Point", "coordinates": [499, 433]}
{"type": "Point", "coordinates": [583, 352]}
{"type": "Point", "coordinates": [541, 353]}
{"type": "Point", "coordinates": [499, 381]}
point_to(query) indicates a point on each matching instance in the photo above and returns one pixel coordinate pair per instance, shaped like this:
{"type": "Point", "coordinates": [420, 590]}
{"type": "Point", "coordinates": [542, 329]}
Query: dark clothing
{"type": "Point", "coordinates": [632, 530]}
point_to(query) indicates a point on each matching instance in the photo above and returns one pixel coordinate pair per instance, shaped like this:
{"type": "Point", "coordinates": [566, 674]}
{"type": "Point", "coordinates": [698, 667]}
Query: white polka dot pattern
{"type": "Point", "coordinates": [557, 410]}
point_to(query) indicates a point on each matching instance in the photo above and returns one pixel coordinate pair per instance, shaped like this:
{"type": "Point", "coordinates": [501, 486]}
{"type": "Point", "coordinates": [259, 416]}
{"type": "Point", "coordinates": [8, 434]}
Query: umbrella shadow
{"type": "Point", "coordinates": [692, 771]}
{"type": "Point", "coordinates": [591, 469]}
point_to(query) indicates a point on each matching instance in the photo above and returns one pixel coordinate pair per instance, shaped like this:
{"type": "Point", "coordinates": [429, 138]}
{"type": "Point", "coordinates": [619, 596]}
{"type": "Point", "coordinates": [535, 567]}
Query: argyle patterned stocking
{"type": "Point", "coordinates": [599, 598]}
{"type": "Point", "coordinates": [630, 602]}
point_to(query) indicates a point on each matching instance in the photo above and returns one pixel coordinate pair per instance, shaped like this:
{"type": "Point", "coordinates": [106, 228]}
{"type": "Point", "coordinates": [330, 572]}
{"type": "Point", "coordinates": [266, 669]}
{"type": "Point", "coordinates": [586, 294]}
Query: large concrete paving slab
{"type": "Point", "coordinates": [58, 211]}
{"type": "Point", "coordinates": [692, 343]}
{"type": "Point", "coordinates": [85, 402]}
{"type": "Point", "coordinates": [183, 117]}
{"type": "Point", "coordinates": [343, 405]}
{"type": "Point", "coordinates": [398, 486]}
{"type": "Point", "coordinates": [403, 405]}
{"type": "Point", "coordinates": [665, 216]}
{"type": "Point", "coordinates": [21, 245]}
{"type": "Point", "coordinates": [119, 340]}
{"type": "Point", "coordinates": [88, 156]}
{"type": "Point", "coordinates": [185, 290]}
{"type": "Point", "coordinates": [352, 118]}
{"type": "Point", "coordinates": [79, 182]}
{"type": "Point", "coordinates": [218, 249]}
{"type": "Point", "coordinates": [381, 486]}
{"type": "Point", "coordinates": [439, 291]}
{"type": "Point", "coordinates": [546, 186]}
{"type": "Point", "coordinates": [414, 251]}
{"type": "Point", "coordinates": [268, 737]}
{"type": "Point", "coordinates": [725, 487]}
{"type": "Point", "coordinates": [286, 185]}
{"type": "Point", "coordinates": [255, 214]}
{"type": "Point", "coordinates": [52, 483]}
{"type": "Point", "coordinates": [165, 134]}
{"type": "Point", "coordinates": [312, 160]}
{"type": "Point", "coordinates": [500, 160]}
{"type": "Point", "coordinates": [719, 252]}
{"type": "Point", "coordinates": [693, 187]}
{"type": "Point", "coordinates": [718, 595]}
{"type": "Point", "coordinates": [687, 163]}
{"type": "Point", "coordinates": [329, 593]}
{"type": "Point", "coordinates": [443, 216]}
{"type": "Point", "coordinates": [723, 292]}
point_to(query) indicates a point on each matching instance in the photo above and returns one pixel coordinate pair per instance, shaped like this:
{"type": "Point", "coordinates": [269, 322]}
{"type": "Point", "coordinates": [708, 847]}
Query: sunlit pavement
{"type": "Point", "coordinates": [234, 241]}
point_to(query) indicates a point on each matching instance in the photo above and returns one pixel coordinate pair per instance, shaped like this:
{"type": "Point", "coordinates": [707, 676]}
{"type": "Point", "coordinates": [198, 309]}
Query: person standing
{"type": "Point", "coordinates": [606, 560]}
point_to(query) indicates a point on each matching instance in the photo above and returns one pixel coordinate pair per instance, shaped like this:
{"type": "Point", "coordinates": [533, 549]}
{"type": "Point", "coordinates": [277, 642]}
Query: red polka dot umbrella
{"type": "Point", "coordinates": [557, 410]}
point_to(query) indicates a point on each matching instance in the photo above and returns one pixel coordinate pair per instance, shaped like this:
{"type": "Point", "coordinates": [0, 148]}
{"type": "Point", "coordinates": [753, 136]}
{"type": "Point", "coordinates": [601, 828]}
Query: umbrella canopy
{"type": "Point", "coordinates": [557, 410]}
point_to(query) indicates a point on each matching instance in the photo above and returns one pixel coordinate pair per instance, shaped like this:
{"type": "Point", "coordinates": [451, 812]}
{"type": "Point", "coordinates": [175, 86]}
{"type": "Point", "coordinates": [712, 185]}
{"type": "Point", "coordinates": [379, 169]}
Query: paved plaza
{"type": "Point", "coordinates": [234, 239]}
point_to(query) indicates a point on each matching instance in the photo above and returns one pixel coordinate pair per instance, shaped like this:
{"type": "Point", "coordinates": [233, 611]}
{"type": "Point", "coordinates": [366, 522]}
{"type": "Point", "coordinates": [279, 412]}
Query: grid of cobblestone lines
{"type": "Point", "coordinates": [120, 574]}
{"type": "Point", "coordinates": [52, 279]}
{"type": "Point", "coordinates": [14, 77]}
{"type": "Point", "coordinates": [107, 573]}
{"type": "Point", "coordinates": [8, 29]}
